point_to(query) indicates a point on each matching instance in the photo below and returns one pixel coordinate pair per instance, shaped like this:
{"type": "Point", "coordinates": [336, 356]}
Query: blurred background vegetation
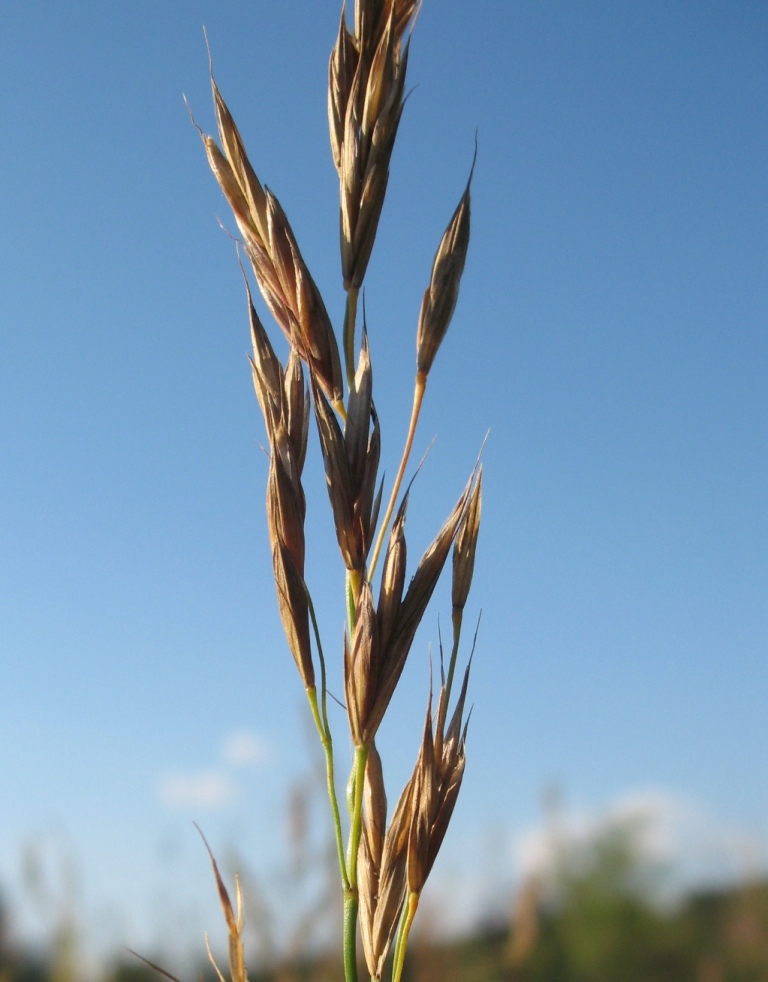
{"type": "Point", "coordinates": [600, 913]}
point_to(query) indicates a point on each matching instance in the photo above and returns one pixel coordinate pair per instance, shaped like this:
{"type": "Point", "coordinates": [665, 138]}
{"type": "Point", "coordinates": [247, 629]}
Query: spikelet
{"type": "Point", "coordinates": [366, 85]}
{"type": "Point", "coordinates": [465, 546]}
{"type": "Point", "coordinates": [382, 872]}
{"type": "Point", "coordinates": [282, 275]}
{"type": "Point", "coordinates": [401, 624]}
{"type": "Point", "coordinates": [375, 656]}
{"type": "Point", "coordinates": [362, 667]}
{"type": "Point", "coordinates": [435, 786]}
{"type": "Point", "coordinates": [351, 465]}
{"type": "Point", "coordinates": [285, 406]}
{"type": "Point", "coordinates": [442, 293]}
{"type": "Point", "coordinates": [235, 925]}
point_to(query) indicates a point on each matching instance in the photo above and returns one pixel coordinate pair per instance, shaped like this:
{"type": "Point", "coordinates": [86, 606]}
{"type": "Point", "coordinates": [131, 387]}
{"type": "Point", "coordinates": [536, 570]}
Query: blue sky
{"type": "Point", "coordinates": [611, 333]}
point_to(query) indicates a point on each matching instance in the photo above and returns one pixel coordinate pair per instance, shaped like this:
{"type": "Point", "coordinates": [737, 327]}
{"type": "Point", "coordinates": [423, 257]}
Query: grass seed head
{"type": "Point", "coordinates": [365, 174]}
{"type": "Point", "coordinates": [361, 670]}
{"type": "Point", "coordinates": [338, 480]}
{"type": "Point", "coordinates": [465, 546]}
{"type": "Point", "coordinates": [351, 464]}
{"type": "Point", "coordinates": [452, 750]}
{"type": "Point", "coordinates": [436, 782]}
{"type": "Point", "coordinates": [294, 611]}
{"type": "Point", "coordinates": [370, 850]}
{"type": "Point", "coordinates": [282, 275]}
{"type": "Point", "coordinates": [411, 609]}
{"type": "Point", "coordinates": [235, 924]}
{"type": "Point", "coordinates": [382, 77]}
{"type": "Point", "coordinates": [379, 931]}
{"type": "Point", "coordinates": [365, 99]}
{"type": "Point", "coordinates": [366, 96]}
{"type": "Point", "coordinates": [368, 888]}
{"type": "Point", "coordinates": [359, 415]}
{"type": "Point", "coordinates": [392, 577]}
{"type": "Point", "coordinates": [442, 293]}
{"type": "Point", "coordinates": [311, 330]}
{"type": "Point", "coordinates": [341, 72]}
{"type": "Point", "coordinates": [375, 804]}
{"type": "Point", "coordinates": [286, 504]}
{"type": "Point", "coordinates": [424, 807]}
{"type": "Point", "coordinates": [225, 176]}
{"type": "Point", "coordinates": [297, 408]}
{"type": "Point", "coordinates": [266, 370]}
{"type": "Point", "coordinates": [448, 793]}
{"type": "Point", "coordinates": [286, 508]}
{"type": "Point", "coordinates": [234, 150]}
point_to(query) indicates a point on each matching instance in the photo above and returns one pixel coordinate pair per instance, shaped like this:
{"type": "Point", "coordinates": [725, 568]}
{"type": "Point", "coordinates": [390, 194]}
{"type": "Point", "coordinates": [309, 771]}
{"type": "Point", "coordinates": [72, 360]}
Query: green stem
{"type": "Point", "coordinates": [356, 785]}
{"type": "Point", "coordinates": [324, 729]}
{"type": "Point", "coordinates": [350, 316]}
{"type": "Point", "coordinates": [351, 895]}
{"type": "Point", "coordinates": [325, 739]}
{"type": "Point", "coordinates": [350, 936]}
{"type": "Point", "coordinates": [402, 936]}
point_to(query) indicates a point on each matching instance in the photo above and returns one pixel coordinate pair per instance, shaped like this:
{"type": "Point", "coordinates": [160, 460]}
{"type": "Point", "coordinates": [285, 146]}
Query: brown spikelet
{"type": "Point", "coordinates": [449, 761]}
{"type": "Point", "coordinates": [286, 509]}
{"type": "Point", "coordinates": [361, 669]}
{"type": "Point", "coordinates": [338, 479]}
{"type": "Point", "coordinates": [368, 887]}
{"type": "Point", "coordinates": [222, 171]}
{"type": "Point", "coordinates": [286, 505]}
{"type": "Point", "coordinates": [375, 804]}
{"type": "Point", "coordinates": [234, 150]}
{"type": "Point", "coordinates": [310, 327]}
{"type": "Point", "coordinates": [266, 370]}
{"type": "Point", "coordinates": [285, 407]}
{"type": "Point", "coordinates": [234, 921]}
{"type": "Point", "coordinates": [406, 12]}
{"type": "Point", "coordinates": [294, 611]}
{"type": "Point", "coordinates": [381, 79]}
{"type": "Point", "coordinates": [359, 415]}
{"type": "Point", "coordinates": [341, 72]}
{"type": "Point", "coordinates": [392, 577]}
{"type": "Point", "coordinates": [442, 293]}
{"type": "Point", "coordinates": [424, 807]}
{"type": "Point", "coordinates": [363, 443]}
{"type": "Point", "coordinates": [351, 464]}
{"type": "Point", "coordinates": [365, 102]}
{"type": "Point", "coordinates": [411, 609]}
{"type": "Point", "coordinates": [297, 408]}
{"type": "Point", "coordinates": [380, 912]}
{"type": "Point", "coordinates": [282, 275]}
{"type": "Point", "coordinates": [435, 784]}
{"type": "Point", "coordinates": [465, 546]}
{"type": "Point", "coordinates": [371, 847]}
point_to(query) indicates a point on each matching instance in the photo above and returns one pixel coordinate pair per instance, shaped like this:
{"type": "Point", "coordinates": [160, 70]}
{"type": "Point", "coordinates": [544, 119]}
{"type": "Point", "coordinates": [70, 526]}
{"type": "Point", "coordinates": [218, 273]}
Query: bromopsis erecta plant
{"type": "Point", "coordinates": [383, 863]}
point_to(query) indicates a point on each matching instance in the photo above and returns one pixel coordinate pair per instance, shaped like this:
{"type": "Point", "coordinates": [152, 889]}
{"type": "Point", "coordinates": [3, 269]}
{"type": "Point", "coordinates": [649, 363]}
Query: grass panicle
{"type": "Point", "coordinates": [385, 864]}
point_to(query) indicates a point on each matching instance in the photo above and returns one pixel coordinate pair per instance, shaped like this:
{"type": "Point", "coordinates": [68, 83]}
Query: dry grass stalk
{"type": "Point", "coordinates": [384, 867]}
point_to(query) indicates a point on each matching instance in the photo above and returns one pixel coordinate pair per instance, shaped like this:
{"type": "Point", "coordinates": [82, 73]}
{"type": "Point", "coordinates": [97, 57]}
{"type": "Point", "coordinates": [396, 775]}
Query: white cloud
{"type": "Point", "coordinates": [200, 789]}
{"type": "Point", "coordinates": [214, 787]}
{"type": "Point", "coordinates": [245, 748]}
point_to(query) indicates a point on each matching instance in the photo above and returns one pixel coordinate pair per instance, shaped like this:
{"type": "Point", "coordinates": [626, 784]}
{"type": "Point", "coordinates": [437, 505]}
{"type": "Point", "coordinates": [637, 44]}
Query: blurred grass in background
{"type": "Point", "coordinates": [599, 915]}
